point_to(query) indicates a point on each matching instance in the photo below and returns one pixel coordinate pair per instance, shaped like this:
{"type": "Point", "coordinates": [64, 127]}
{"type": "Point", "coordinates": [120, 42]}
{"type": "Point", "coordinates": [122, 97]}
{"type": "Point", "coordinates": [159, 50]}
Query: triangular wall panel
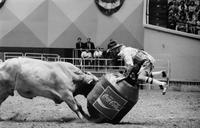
{"type": "Point", "coordinates": [88, 16]}
{"type": "Point", "coordinates": [125, 37]}
{"type": "Point", "coordinates": [23, 8]}
{"type": "Point", "coordinates": [21, 36]}
{"type": "Point", "coordinates": [105, 27]}
{"type": "Point", "coordinates": [68, 38]}
{"type": "Point", "coordinates": [73, 8]}
{"type": "Point", "coordinates": [127, 9]}
{"type": "Point", "coordinates": [37, 21]}
{"type": "Point", "coordinates": [58, 22]}
{"type": "Point", "coordinates": [8, 21]}
{"type": "Point", "coordinates": [134, 25]}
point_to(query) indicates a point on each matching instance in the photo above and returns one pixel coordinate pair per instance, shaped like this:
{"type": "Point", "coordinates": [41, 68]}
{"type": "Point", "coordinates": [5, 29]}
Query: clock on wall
{"type": "Point", "coordinates": [2, 2]}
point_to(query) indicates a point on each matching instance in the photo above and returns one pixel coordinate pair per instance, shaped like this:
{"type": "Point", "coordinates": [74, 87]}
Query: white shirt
{"type": "Point", "coordinates": [129, 53]}
{"type": "Point", "coordinates": [85, 54]}
{"type": "Point", "coordinates": [97, 54]}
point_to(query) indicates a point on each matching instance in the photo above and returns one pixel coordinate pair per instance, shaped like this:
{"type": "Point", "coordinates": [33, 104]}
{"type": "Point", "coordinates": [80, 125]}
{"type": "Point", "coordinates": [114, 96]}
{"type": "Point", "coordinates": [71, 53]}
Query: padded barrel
{"type": "Point", "coordinates": [110, 101]}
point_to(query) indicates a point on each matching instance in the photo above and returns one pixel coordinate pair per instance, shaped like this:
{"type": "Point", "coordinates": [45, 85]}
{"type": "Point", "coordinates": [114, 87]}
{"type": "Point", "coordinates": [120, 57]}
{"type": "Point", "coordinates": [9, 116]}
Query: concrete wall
{"type": "Point", "coordinates": [182, 51]}
{"type": "Point", "coordinates": [58, 23]}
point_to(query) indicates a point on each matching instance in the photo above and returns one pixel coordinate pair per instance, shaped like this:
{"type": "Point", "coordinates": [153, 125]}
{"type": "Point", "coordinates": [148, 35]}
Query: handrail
{"type": "Point", "coordinates": [96, 65]}
{"type": "Point", "coordinates": [12, 55]}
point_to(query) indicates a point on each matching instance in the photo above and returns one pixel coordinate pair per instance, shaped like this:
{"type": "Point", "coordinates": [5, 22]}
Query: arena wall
{"type": "Point", "coordinates": [58, 23]}
{"type": "Point", "coordinates": [182, 52]}
{"type": "Point", "coordinates": [179, 48]}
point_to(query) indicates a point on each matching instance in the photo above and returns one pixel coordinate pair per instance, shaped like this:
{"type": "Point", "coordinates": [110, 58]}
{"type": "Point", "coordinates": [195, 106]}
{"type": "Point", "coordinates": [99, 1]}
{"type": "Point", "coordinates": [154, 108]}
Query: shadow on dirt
{"type": "Point", "coordinates": [23, 119]}
{"type": "Point", "coordinates": [19, 118]}
{"type": "Point", "coordinates": [137, 123]}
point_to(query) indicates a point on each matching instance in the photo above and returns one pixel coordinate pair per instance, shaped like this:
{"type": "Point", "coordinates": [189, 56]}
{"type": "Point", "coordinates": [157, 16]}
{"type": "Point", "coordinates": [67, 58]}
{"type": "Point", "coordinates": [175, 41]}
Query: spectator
{"type": "Point", "coordinates": [79, 47]}
{"type": "Point", "coordinates": [191, 17]}
{"type": "Point", "coordinates": [182, 20]}
{"type": "Point", "coordinates": [174, 7]}
{"type": "Point", "coordinates": [172, 19]}
{"type": "Point", "coordinates": [97, 54]}
{"type": "Point", "coordinates": [84, 46]}
{"type": "Point", "coordinates": [186, 19]}
{"type": "Point", "coordinates": [90, 45]}
{"type": "Point", "coordinates": [198, 23]}
{"type": "Point", "coordinates": [191, 24]}
{"type": "Point", "coordinates": [182, 6]}
{"type": "Point", "coordinates": [173, 2]}
{"type": "Point", "coordinates": [86, 55]}
{"type": "Point", "coordinates": [191, 8]}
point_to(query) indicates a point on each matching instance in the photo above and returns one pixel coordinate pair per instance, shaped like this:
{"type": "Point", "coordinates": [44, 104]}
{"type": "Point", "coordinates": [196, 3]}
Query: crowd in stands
{"type": "Point", "coordinates": [184, 15]}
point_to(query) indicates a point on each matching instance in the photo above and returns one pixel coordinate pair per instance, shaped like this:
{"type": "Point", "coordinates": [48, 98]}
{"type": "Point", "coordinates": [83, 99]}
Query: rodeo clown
{"type": "Point", "coordinates": [132, 56]}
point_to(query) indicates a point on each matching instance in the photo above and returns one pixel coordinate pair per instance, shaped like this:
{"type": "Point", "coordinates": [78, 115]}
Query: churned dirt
{"type": "Point", "coordinates": [153, 110]}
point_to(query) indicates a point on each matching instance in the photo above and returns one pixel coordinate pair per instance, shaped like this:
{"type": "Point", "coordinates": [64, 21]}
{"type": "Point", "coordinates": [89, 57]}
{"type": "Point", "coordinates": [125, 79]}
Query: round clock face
{"type": "Point", "coordinates": [2, 2]}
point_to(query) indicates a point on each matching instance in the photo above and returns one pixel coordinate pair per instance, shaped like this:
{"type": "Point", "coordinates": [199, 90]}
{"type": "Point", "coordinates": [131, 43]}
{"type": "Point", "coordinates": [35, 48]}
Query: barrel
{"type": "Point", "coordinates": [109, 101]}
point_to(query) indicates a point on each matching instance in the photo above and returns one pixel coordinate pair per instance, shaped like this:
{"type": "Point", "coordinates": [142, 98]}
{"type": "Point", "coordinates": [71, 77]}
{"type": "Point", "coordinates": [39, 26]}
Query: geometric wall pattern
{"type": "Point", "coordinates": [58, 23]}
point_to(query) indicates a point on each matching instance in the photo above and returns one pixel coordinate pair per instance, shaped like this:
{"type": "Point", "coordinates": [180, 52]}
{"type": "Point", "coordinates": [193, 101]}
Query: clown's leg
{"type": "Point", "coordinates": [153, 81]}
{"type": "Point", "coordinates": [162, 72]}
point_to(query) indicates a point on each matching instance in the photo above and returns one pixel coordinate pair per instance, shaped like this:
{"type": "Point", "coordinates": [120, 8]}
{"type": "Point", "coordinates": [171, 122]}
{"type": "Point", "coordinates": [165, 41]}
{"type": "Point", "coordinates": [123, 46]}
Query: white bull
{"type": "Point", "coordinates": [59, 81]}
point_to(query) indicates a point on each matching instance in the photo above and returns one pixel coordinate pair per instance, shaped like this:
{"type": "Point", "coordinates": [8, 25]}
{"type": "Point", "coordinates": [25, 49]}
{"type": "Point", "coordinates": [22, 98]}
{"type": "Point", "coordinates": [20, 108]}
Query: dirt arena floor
{"type": "Point", "coordinates": [174, 110]}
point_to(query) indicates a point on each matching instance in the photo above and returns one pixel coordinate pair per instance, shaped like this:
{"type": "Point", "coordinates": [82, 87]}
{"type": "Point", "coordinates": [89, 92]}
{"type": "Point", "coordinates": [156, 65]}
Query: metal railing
{"type": "Point", "coordinates": [41, 56]}
{"type": "Point", "coordinates": [9, 55]}
{"type": "Point", "coordinates": [94, 65]}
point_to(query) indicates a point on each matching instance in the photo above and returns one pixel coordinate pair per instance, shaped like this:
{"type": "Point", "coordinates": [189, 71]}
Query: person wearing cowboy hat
{"type": "Point", "coordinates": [133, 56]}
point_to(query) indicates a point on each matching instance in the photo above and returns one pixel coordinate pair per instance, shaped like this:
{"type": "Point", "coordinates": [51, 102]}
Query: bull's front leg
{"type": "Point", "coordinates": [3, 97]}
{"type": "Point", "coordinates": [67, 96]}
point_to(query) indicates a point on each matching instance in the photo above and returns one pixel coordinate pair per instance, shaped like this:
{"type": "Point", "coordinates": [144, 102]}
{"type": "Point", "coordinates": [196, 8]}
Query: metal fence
{"type": "Point", "coordinates": [97, 66]}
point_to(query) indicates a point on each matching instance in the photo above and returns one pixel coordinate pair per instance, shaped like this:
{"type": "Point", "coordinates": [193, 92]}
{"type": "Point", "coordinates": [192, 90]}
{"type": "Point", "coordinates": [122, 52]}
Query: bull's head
{"type": "Point", "coordinates": [86, 84]}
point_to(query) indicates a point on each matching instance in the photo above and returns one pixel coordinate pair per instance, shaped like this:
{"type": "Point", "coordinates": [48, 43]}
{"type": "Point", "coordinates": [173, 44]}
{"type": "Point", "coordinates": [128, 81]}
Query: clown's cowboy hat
{"type": "Point", "coordinates": [113, 45]}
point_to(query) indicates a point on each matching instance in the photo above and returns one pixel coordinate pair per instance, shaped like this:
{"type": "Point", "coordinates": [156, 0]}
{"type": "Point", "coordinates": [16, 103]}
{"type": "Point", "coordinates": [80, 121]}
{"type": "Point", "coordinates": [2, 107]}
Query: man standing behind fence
{"type": "Point", "coordinates": [97, 54]}
{"type": "Point", "coordinates": [90, 45]}
{"type": "Point", "coordinates": [79, 47]}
